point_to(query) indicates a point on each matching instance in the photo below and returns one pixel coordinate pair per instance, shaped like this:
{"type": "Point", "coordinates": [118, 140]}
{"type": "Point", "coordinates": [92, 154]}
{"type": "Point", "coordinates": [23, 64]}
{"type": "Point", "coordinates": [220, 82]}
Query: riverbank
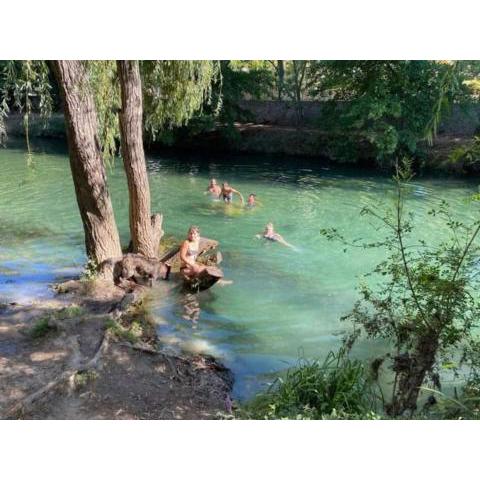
{"type": "Point", "coordinates": [91, 352]}
{"type": "Point", "coordinates": [276, 139]}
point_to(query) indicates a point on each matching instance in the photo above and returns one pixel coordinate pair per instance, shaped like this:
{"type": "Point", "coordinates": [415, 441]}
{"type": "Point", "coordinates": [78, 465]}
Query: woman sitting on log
{"type": "Point", "coordinates": [188, 254]}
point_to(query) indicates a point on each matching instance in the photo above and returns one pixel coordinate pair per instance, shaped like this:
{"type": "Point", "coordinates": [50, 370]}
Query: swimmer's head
{"type": "Point", "coordinates": [213, 182]}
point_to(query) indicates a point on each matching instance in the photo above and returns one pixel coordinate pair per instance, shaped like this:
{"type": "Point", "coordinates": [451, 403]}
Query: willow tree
{"type": "Point", "coordinates": [88, 170]}
{"type": "Point", "coordinates": [26, 86]}
{"type": "Point", "coordinates": [172, 91]}
{"type": "Point", "coordinates": [146, 230]}
{"type": "Point", "coordinates": [93, 92]}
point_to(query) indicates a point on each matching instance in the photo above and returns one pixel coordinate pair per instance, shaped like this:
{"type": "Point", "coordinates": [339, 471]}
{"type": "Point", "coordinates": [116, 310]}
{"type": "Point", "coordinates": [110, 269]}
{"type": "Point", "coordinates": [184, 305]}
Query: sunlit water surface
{"type": "Point", "coordinates": [282, 303]}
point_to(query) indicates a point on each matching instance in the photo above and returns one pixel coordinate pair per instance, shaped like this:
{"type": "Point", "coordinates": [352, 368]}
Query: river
{"type": "Point", "coordinates": [283, 303]}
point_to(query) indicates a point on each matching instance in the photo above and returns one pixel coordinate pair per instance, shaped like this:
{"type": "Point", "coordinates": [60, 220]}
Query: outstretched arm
{"type": "Point", "coordinates": [281, 240]}
{"type": "Point", "coordinates": [240, 195]}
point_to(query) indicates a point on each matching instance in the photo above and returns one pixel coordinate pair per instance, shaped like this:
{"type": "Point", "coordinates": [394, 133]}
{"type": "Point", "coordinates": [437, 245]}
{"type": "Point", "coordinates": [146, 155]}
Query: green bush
{"type": "Point", "coordinates": [338, 387]}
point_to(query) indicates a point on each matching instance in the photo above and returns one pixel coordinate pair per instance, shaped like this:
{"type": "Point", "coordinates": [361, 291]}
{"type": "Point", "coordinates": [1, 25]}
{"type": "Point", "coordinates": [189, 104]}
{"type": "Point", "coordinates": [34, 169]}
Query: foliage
{"type": "Point", "coordinates": [465, 406]}
{"type": "Point", "coordinates": [131, 333]}
{"type": "Point", "coordinates": [390, 105]}
{"type": "Point", "coordinates": [425, 306]}
{"type": "Point", "coordinates": [24, 85]}
{"type": "Point", "coordinates": [174, 90]}
{"type": "Point", "coordinates": [71, 311]}
{"type": "Point", "coordinates": [235, 81]}
{"type": "Point", "coordinates": [241, 80]}
{"type": "Point", "coordinates": [81, 379]}
{"type": "Point", "coordinates": [337, 388]}
{"type": "Point", "coordinates": [90, 270]}
{"type": "Point", "coordinates": [469, 155]}
{"type": "Point", "coordinates": [106, 93]}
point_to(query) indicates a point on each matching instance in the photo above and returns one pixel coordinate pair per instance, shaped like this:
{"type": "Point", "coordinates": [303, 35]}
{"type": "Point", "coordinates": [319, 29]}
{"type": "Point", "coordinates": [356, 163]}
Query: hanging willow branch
{"type": "Point", "coordinates": [25, 85]}
{"type": "Point", "coordinates": [103, 83]}
{"type": "Point", "coordinates": [175, 90]}
{"type": "Point", "coordinates": [448, 84]}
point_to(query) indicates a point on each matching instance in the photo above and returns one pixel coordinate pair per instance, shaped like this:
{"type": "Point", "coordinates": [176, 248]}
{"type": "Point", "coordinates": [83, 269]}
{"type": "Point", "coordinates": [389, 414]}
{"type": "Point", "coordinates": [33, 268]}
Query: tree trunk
{"type": "Point", "coordinates": [281, 77]}
{"type": "Point", "coordinates": [88, 171]}
{"type": "Point", "coordinates": [145, 230]}
{"type": "Point", "coordinates": [411, 371]}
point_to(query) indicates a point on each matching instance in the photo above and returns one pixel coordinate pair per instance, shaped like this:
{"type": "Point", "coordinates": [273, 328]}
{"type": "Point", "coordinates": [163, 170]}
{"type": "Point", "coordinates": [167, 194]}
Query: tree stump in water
{"type": "Point", "coordinates": [206, 279]}
{"type": "Point", "coordinates": [133, 269]}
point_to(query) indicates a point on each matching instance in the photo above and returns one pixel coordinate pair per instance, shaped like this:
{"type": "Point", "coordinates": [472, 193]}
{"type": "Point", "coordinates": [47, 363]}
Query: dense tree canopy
{"type": "Point", "coordinates": [383, 109]}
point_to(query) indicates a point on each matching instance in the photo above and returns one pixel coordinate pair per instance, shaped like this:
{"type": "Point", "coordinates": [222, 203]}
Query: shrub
{"type": "Point", "coordinates": [338, 387]}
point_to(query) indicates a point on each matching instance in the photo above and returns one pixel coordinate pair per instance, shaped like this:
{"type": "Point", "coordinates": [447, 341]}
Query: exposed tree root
{"type": "Point", "coordinates": [25, 405]}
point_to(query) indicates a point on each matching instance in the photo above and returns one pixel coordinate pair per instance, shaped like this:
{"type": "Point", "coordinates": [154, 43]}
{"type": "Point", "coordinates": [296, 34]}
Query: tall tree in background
{"type": "Point", "coordinates": [88, 170]}
{"type": "Point", "coordinates": [145, 230]}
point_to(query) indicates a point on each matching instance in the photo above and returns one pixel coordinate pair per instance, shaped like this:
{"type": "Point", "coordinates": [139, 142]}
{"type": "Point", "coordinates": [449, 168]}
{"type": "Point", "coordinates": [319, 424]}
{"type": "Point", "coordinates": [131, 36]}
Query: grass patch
{"type": "Point", "coordinates": [132, 333]}
{"type": "Point", "coordinates": [82, 378]}
{"type": "Point", "coordinates": [337, 388]}
{"type": "Point", "coordinates": [47, 323]}
{"type": "Point", "coordinates": [41, 328]}
{"type": "Point", "coordinates": [71, 311]}
{"type": "Point", "coordinates": [90, 270]}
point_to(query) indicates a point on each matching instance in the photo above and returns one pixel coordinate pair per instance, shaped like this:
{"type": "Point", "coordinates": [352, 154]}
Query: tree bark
{"type": "Point", "coordinates": [411, 371]}
{"type": "Point", "coordinates": [146, 230]}
{"type": "Point", "coordinates": [281, 77]}
{"type": "Point", "coordinates": [88, 170]}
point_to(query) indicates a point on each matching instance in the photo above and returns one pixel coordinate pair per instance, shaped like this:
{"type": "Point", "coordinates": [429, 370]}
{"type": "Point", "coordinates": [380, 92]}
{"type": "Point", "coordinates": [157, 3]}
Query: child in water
{"type": "Point", "coordinates": [251, 201]}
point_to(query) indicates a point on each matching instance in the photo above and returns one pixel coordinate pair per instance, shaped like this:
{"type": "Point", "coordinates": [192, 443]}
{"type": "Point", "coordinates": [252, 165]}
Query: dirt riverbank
{"type": "Point", "coordinates": [91, 353]}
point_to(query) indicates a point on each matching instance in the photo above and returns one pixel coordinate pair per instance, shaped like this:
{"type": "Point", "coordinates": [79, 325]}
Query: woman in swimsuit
{"type": "Point", "coordinates": [270, 234]}
{"type": "Point", "coordinates": [227, 193]}
{"type": "Point", "coordinates": [214, 189]}
{"type": "Point", "coordinates": [189, 252]}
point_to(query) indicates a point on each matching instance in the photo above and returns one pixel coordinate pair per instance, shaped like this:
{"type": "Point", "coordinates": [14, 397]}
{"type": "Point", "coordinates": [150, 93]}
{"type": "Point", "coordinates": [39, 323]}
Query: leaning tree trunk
{"type": "Point", "coordinates": [88, 170]}
{"type": "Point", "coordinates": [411, 371]}
{"type": "Point", "coordinates": [146, 230]}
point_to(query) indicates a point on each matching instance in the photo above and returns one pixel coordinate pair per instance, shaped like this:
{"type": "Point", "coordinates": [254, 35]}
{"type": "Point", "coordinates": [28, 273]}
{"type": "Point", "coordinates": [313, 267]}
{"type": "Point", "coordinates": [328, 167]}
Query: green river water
{"type": "Point", "coordinates": [282, 303]}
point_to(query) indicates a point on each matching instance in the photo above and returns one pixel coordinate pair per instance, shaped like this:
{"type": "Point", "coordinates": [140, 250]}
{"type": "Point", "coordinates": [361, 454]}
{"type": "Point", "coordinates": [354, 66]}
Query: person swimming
{"type": "Point", "coordinates": [227, 193]}
{"type": "Point", "coordinates": [214, 189]}
{"type": "Point", "coordinates": [188, 253]}
{"type": "Point", "coordinates": [270, 234]}
{"type": "Point", "coordinates": [251, 201]}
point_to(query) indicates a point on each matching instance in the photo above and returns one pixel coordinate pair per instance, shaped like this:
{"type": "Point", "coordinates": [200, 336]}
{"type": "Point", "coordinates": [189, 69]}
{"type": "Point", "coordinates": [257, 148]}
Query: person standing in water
{"type": "Point", "coordinates": [214, 189]}
{"type": "Point", "coordinates": [270, 234]}
{"type": "Point", "coordinates": [227, 193]}
{"type": "Point", "coordinates": [189, 252]}
{"type": "Point", "coordinates": [251, 201]}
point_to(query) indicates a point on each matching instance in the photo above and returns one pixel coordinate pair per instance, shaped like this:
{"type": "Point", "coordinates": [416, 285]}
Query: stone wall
{"type": "Point", "coordinates": [462, 121]}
